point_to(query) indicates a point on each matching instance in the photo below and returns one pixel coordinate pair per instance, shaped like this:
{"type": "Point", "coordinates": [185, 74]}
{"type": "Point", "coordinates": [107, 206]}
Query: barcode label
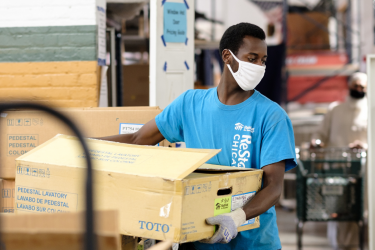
{"type": "Point", "coordinates": [129, 128]}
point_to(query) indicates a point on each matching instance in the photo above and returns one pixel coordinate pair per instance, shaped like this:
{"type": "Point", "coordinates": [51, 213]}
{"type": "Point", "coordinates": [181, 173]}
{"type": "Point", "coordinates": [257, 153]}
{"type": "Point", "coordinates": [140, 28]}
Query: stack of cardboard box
{"type": "Point", "coordinates": [22, 131]}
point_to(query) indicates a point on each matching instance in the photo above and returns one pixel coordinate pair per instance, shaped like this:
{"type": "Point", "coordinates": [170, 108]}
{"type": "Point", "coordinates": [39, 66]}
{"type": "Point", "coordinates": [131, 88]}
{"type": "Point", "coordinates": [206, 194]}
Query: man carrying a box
{"type": "Point", "coordinates": [250, 130]}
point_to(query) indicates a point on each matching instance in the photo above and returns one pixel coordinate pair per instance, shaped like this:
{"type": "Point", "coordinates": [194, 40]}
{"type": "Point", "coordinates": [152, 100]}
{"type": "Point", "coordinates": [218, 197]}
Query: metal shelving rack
{"type": "Point", "coordinates": [344, 43]}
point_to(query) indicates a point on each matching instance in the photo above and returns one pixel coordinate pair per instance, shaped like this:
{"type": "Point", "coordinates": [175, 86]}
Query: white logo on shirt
{"type": "Point", "coordinates": [238, 126]}
{"type": "Point", "coordinates": [240, 150]}
{"type": "Point", "coordinates": [248, 128]}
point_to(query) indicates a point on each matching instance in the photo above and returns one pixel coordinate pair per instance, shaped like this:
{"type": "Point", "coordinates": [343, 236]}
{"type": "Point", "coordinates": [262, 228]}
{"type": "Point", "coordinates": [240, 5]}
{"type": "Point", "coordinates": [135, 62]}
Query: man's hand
{"type": "Point", "coordinates": [316, 143]}
{"type": "Point", "coordinates": [357, 144]}
{"type": "Point", "coordinates": [228, 224]}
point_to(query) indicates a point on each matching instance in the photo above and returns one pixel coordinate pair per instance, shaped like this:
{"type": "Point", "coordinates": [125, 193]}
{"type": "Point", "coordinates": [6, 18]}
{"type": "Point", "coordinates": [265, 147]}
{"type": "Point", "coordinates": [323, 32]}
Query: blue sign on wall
{"type": "Point", "coordinates": [175, 22]}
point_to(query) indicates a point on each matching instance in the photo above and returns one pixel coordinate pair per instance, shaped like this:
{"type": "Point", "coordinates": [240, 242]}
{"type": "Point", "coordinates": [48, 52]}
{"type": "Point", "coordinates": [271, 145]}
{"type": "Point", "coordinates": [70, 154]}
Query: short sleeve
{"type": "Point", "coordinates": [169, 121]}
{"type": "Point", "coordinates": [278, 145]}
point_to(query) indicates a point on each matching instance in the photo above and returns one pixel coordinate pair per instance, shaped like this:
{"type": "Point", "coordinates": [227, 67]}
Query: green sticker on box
{"type": "Point", "coordinates": [223, 205]}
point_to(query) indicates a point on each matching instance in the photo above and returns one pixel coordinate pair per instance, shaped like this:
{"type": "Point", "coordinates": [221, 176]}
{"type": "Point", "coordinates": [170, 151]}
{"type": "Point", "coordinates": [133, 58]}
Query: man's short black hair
{"type": "Point", "coordinates": [232, 38]}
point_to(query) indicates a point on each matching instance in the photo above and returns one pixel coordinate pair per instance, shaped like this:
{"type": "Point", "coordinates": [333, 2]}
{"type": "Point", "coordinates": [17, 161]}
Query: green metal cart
{"type": "Point", "coordinates": [330, 187]}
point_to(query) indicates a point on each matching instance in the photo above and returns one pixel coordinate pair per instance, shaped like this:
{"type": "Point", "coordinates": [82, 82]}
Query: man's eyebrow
{"type": "Point", "coordinates": [255, 54]}
{"type": "Point", "coordinates": [252, 53]}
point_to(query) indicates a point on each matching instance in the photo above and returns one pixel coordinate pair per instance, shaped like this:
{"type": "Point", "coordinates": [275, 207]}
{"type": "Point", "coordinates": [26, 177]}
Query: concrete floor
{"type": "Point", "coordinates": [314, 233]}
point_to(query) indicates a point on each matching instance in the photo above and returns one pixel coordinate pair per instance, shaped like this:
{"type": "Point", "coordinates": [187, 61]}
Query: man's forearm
{"type": "Point", "coordinates": [273, 177]}
{"type": "Point", "coordinates": [262, 201]}
{"type": "Point", "coordinates": [149, 134]}
{"type": "Point", "coordinates": [126, 138]}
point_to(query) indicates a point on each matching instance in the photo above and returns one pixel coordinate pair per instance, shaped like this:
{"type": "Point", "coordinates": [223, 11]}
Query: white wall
{"type": "Point", "coordinates": [366, 30]}
{"type": "Point", "coordinates": [34, 13]}
{"type": "Point", "coordinates": [238, 11]}
{"type": "Point", "coordinates": [165, 86]}
{"type": "Point", "coordinates": [231, 12]}
{"type": "Point", "coordinates": [371, 148]}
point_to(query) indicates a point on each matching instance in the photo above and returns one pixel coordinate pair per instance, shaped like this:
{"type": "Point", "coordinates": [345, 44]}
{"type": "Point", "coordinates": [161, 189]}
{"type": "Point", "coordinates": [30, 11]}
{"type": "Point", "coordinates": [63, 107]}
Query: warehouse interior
{"type": "Point", "coordinates": [82, 80]}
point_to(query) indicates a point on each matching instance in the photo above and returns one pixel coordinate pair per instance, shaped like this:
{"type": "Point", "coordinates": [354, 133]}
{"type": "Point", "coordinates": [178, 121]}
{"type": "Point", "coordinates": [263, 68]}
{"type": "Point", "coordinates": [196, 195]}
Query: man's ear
{"type": "Point", "coordinates": [226, 56]}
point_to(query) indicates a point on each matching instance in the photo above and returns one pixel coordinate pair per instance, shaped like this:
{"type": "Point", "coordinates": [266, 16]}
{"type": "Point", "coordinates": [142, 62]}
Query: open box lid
{"type": "Point", "coordinates": [221, 168]}
{"type": "Point", "coordinates": [168, 163]}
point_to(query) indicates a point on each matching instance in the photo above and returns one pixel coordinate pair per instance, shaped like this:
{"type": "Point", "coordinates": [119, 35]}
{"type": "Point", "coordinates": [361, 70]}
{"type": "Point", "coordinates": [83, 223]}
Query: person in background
{"type": "Point", "coordinates": [345, 125]}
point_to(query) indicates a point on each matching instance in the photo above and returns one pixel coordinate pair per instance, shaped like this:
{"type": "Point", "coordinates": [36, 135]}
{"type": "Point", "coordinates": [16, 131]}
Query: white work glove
{"type": "Point", "coordinates": [228, 224]}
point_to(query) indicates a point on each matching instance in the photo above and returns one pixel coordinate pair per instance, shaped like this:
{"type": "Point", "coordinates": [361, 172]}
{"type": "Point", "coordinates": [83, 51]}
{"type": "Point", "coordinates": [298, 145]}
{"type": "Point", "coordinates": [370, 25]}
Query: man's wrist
{"type": "Point", "coordinates": [238, 216]}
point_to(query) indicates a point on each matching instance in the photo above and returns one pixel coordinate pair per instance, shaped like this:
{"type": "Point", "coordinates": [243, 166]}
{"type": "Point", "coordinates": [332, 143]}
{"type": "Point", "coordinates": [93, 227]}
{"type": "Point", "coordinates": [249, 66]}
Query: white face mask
{"type": "Point", "coordinates": [248, 75]}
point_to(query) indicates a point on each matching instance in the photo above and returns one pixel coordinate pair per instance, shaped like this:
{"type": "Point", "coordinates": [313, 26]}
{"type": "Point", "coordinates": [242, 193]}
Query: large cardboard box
{"type": "Point", "coordinates": [7, 196]}
{"type": "Point", "coordinates": [154, 188]}
{"type": "Point", "coordinates": [22, 131]}
{"type": "Point", "coordinates": [57, 231]}
{"type": "Point", "coordinates": [306, 32]}
{"type": "Point", "coordinates": [136, 85]}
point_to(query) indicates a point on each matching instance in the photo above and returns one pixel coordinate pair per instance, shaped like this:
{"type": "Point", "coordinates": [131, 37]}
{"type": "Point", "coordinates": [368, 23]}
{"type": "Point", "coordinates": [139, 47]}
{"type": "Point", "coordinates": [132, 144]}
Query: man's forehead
{"type": "Point", "coordinates": [253, 44]}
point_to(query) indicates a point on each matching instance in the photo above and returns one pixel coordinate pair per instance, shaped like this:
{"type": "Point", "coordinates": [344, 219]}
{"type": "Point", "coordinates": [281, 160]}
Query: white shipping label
{"type": "Point", "coordinates": [240, 200]}
{"type": "Point", "coordinates": [129, 128]}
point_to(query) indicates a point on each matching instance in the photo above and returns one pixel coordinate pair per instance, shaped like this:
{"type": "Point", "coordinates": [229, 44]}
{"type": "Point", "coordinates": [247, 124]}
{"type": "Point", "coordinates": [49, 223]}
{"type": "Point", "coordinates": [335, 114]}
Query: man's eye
{"type": "Point", "coordinates": [264, 62]}
{"type": "Point", "coordinates": [251, 59]}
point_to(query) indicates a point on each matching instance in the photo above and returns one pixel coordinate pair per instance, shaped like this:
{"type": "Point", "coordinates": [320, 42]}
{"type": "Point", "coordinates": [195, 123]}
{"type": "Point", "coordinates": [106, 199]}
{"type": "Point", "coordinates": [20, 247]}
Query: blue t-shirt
{"type": "Point", "coordinates": [252, 134]}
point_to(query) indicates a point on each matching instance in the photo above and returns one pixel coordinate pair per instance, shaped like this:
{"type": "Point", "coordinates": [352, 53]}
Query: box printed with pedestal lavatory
{"type": "Point", "coordinates": [160, 193]}
{"type": "Point", "coordinates": [23, 130]}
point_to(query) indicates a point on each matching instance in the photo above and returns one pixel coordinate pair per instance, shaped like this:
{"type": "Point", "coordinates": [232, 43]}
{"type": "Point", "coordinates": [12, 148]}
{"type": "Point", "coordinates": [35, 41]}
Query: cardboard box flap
{"type": "Point", "coordinates": [168, 163]}
{"type": "Point", "coordinates": [135, 108]}
{"type": "Point", "coordinates": [221, 168]}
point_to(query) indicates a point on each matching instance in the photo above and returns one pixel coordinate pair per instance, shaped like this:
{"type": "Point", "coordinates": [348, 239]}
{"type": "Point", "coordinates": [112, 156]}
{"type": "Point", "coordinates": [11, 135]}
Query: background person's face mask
{"type": "Point", "coordinates": [248, 74]}
{"type": "Point", "coordinates": [357, 94]}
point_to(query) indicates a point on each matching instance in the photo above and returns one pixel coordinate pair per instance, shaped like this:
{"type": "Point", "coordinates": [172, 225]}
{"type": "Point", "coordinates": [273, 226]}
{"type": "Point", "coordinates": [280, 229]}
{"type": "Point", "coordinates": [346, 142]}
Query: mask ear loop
{"type": "Point", "coordinates": [235, 58]}
{"type": "Point", "coordinates": [238, 60]}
